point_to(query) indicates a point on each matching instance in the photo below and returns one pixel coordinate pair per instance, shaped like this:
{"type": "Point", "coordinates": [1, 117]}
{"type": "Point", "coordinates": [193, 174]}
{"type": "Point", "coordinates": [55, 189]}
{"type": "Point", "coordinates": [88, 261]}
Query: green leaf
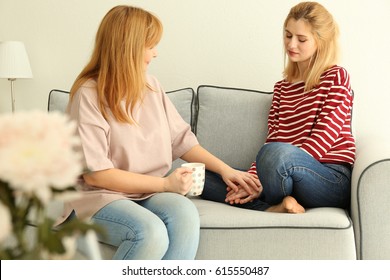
{"type": "Point", "coordinates": [6, 196]}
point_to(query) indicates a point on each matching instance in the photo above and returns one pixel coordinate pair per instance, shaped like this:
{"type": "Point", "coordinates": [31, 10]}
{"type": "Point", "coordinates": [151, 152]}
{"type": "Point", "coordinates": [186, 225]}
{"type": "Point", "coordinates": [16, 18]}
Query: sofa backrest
{"type": "Point", "coordinates": [231, 123]}
{"type": "Point", "coordinates": [58, 100]}
{"type": "Point", "coordinates": [183, 99]}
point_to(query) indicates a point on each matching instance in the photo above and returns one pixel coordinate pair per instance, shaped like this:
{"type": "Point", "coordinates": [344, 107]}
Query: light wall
{"type": "Point", "coordinates": [234, 43]}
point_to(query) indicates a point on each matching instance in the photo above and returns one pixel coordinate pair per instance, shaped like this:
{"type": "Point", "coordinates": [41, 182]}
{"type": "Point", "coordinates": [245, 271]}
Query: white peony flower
{"type": "Point", "coordinates": [5, 222]}
{"type": "Point", "coordinates": [38, 152]}
{"type": "Point", "coordinates": [40, 161]}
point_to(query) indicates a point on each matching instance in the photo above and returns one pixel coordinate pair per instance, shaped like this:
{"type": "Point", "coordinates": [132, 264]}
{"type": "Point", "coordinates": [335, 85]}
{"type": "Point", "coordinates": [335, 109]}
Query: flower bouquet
{"type": "Point", "coordinates": [39, 164]}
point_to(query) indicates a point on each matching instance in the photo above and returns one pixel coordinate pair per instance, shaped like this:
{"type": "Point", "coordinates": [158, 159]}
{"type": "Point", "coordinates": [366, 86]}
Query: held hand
{"type": "Point", "coordinates": [235, 179]}
{"type": "Point", "coordinates": [179, 181]}
{"type": "Point", "coordinates": [240, 195]}
{"type": "Point", "coordinates": [234, 197]}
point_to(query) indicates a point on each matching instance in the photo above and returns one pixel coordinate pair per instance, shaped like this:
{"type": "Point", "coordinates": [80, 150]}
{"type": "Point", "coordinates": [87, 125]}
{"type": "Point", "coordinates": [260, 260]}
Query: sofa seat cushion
{"type": "Point", "coordinates": [219, 215]}
{"type": "Point", "coordinates": [321, 233]}
{"type": "Point", "coordinates": [231, 233]}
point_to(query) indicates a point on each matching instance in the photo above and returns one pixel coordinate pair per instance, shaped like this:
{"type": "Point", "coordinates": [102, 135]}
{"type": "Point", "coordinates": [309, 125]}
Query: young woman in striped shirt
{"type": "Point", "coordinates": [309, 151]}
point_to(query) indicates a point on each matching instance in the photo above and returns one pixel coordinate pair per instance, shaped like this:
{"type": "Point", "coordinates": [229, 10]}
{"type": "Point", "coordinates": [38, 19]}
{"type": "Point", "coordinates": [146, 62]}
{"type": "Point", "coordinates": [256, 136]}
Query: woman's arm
{"type": "Point", "coordinates": [114, 179]}
{"type": "Point", "coordinates": [232, 177]}
{"type": "Point", "coordinates": [334, 115]}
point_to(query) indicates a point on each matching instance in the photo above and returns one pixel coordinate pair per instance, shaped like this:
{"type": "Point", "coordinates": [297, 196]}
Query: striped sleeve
{"type": "Point", "coordinates": [331, 119]}
{"type": "Point", "coordinates": [252, 169]}
{"type": "Point", "coordinates": [317, 121]}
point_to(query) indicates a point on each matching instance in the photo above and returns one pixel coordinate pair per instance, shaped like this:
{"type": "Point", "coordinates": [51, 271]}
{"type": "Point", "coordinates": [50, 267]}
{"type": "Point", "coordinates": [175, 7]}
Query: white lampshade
{"type": "Point", "coordinates": [14, 62]}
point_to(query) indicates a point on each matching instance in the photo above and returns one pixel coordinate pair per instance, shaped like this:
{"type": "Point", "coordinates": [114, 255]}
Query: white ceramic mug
{"type": "Point", "coordinates": [198, 175]}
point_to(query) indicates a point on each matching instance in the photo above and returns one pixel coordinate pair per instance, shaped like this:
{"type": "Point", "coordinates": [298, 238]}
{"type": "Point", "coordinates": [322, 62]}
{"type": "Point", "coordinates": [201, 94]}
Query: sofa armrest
{"type": "Point", "coordinates": [370, 197]}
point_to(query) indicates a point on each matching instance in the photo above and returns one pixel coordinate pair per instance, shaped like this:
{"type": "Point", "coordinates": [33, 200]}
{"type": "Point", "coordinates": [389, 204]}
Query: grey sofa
{"type": "Point", "coordinates": [232, 124]}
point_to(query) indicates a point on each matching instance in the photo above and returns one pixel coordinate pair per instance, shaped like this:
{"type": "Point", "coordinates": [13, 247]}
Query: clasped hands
{"type": "Point", "coordinates": [242, 187]}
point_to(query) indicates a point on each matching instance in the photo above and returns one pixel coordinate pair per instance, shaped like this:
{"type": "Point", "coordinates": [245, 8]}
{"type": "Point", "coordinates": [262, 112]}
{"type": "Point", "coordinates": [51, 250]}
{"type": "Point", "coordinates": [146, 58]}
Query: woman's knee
{"type": "Point", "coordinates": [172, 204]}
{"type": "Point", "coordinates": [177, 212]}
{"type": "Point", "coordinates": [149, 240]}
{"type": "Point", "coordinates": [273, 162]}
{"type": "Point", "coordinates": [185, 214]}
{"type": "Point", "coordinates": [153, 235]}
{"type": "Point", "coordinates": [136, 232]}
{"type": "Point", "coordinates": [276, 150]}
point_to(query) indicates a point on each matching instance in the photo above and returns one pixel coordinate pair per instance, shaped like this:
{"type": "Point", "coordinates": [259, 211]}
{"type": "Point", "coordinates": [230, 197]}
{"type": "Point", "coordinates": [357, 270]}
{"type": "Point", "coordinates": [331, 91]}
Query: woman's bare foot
{"type": "Point", "coordinates": [288, 205]}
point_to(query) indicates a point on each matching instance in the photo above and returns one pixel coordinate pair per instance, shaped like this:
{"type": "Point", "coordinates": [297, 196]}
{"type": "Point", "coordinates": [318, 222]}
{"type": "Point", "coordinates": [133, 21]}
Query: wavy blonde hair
{"type": "Point", "coordinates": [117, 61]}
{"type": "Point", "coordinates": [325, 31]}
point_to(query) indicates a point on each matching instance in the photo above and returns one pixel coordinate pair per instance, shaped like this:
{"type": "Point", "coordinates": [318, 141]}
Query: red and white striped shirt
{"type": "Point", "coordinates": [317, 121]}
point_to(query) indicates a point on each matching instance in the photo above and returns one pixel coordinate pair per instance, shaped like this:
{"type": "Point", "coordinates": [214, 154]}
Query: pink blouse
{"type": "Point", "coordinates": [160, 136]}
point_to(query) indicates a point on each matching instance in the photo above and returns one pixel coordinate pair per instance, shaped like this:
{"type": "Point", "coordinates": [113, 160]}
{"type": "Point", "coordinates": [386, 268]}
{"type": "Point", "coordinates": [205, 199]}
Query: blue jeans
{"type": "Point", "coordinates": [285, 170]}
{"type": "Point", "coordinates": [164, 226]}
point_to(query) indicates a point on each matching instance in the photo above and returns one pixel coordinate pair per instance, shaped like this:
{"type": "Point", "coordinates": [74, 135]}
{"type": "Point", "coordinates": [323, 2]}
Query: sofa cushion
{"type": "Point", "coordinates": [320, 233]}
{"type": "Point", "coordinates": [226, 126]}
{"type": "Point", "coordinates": [184, 100]}
{"type": "Point", "coordinates": [58, 100]}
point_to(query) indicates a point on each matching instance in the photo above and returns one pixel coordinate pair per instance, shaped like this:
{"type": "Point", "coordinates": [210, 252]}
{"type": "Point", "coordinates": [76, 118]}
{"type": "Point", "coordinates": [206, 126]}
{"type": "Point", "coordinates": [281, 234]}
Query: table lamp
{"type": "Point", "coordinates": [14, 64]}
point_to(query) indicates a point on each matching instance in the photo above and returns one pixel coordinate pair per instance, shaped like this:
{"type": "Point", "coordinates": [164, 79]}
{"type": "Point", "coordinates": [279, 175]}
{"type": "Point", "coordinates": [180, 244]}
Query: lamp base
{"type": "Point", "coordinates": [12, 94]}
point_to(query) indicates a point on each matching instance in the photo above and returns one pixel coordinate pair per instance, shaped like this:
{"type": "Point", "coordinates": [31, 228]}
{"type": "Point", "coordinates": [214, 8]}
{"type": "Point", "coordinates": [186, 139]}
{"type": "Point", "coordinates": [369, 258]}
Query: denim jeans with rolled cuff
{"type": "Point", "coordinates": [285, 170]}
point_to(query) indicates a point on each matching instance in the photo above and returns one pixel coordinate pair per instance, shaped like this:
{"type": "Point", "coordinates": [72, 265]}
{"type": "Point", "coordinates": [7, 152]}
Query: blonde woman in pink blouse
{"type": "Point", "coordinates": [130, 132]}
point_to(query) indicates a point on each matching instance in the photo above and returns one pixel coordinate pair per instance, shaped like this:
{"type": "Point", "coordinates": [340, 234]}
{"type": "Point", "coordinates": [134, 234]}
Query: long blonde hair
{"type": "Point", "coordinates": [117, 61]}
{"type": "Point", "coordinates": [325, 32]}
